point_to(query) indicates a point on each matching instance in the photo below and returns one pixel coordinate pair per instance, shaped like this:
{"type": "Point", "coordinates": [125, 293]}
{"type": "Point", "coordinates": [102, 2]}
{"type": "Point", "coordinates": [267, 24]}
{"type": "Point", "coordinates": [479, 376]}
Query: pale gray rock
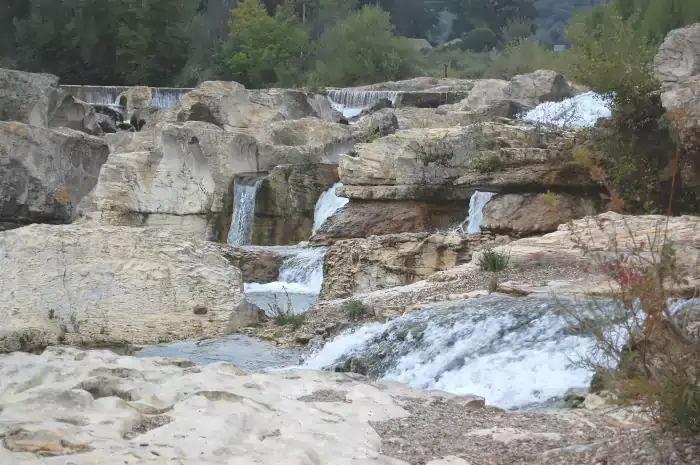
{"type": "Point", "coordinates": [46, 173]}
{"type": "Point", "coordinates": [78, 284]}
{"type": "Point", "coordinates": [36, 99]}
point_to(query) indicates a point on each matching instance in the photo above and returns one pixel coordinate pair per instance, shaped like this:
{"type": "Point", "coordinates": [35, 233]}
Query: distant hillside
{"type": "Point", "coordinates": [553, 16]}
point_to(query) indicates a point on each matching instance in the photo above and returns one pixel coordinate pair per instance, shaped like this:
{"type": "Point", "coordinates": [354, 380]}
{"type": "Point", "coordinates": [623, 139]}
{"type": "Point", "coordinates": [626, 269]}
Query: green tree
{"type": "Point", "coordinates": [491, 14]}
{"type": "Point", "coordinates": [262, 50]}
{"type": "Point", "coordinates": [153, 41]}
{"type": "Point", "coordinates": [362, 49]}
{"type": "Point", "coordinates": [480, 39]}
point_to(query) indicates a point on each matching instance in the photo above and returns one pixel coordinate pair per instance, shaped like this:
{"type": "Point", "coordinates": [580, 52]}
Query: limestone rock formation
{"type": "Point", "coordinates": [529, 214]}
{"type": "Point", "coordinates": [362, 218]}
{"type": "Point", "coordinates": [229, 104]}
{"type": "Point", "coordinates": [677, 67]}
{"type": "Point", "coordinates": [444, 117]}
{"type": "Point", "coordinates": [36, 99]}
{"type": "Point", "coordinates": [78, 284]}
{"type": "Point", "coordinates": [527, 90]}
{"type": "Point", "coordinates": [134, 99]}
{"type": "Point", "coordinates": [257, 265]}
{"type": "Point", "coordinates": [357, 266]}
{"type": "Point", "coordinates": [46, 173]}
{"type": "Point", "coordinates": [179, 170]}
{"type": "Point", "coordinates": [285, 202]}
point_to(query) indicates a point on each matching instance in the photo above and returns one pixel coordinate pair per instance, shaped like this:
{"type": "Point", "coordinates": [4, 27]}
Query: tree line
{"type": "Point", "coordinates": [182, 42]}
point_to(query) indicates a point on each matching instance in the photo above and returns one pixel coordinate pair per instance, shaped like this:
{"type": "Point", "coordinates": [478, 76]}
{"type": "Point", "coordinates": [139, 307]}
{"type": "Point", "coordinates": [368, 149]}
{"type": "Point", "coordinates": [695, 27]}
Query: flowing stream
{"type": "Point", "coordinates": [580, 111]}
{"type": "Point", "coordinates": [514, 351]}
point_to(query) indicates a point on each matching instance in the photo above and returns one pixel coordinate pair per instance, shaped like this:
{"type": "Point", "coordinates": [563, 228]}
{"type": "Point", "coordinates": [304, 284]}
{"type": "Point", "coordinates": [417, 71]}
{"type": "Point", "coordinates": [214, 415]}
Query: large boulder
{"type": "Point", "coordinates": [529, 214]}
{"type": "Point", "coordinates": [36, 99]}
{"type": "Point", "coordinates": [677, 67]}
{"type": "Point", "coordinates": [286, 200]}
{"type": "Point", "coordinates": [526, 90]}
{"type": "Point", "coordinates": [46, 173]}
{"type": "Point", "coordinates": [356, 266]}
{"type": "Point", "coordinates": [79, 284]}
{"type": "Point", "coordinates": [362, 218]}
{"type": "Point", "coordinates": [230, 105]}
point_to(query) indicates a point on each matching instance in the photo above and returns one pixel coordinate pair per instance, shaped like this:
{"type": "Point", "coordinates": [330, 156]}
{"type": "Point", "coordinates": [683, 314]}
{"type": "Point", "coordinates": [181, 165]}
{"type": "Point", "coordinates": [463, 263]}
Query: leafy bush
{"type": "Point", "coordinates": [354, 309]}
{"type": "Point", "coordinates": [493, 260]}
{"type": "Point", "coordinates": [645, 351]}
{"type": "Point", "coordinates": [488, 164]}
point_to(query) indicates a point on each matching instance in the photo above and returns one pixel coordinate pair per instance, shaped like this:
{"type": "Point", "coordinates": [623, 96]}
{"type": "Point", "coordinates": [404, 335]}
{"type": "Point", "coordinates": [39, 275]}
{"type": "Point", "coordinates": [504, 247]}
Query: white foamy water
{"type": "Point", "coordinates": [580, 111]}
{"type": "Point", "coordinates": [476, 211]}
{"type": "Point", "coordinates": [300, 279]}
{"type": "Point", "coordinates": [515, 352]}
{"type": "Point", "coordinates": [327, 205]}
{"type": "Point", "coordinates": [351, 102]}
{"type": "Point", "coordinates": [243, 213]}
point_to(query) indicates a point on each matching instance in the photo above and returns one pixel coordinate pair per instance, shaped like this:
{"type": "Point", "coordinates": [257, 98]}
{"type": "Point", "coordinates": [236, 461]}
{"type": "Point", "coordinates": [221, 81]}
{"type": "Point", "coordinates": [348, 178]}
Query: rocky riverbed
{"type": "Point", "coordinates": [72, 407]}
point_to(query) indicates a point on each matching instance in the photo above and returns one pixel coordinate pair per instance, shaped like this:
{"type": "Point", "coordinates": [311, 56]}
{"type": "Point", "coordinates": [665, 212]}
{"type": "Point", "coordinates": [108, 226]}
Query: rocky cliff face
{"type": "Point", "coordinates": [285, 202]}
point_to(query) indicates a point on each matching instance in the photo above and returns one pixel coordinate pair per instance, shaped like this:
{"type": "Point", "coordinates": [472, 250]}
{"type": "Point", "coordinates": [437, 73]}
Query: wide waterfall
{"type": "Point", "coordinates": [327, 205]}
{"type": "Point", "coordinates": [351, 102]}
{"type": "Point", "coordinates": [580, 111]}
{"type": "Point", "coordinates": [299, 281]}
{"type": "Point", "coordinates": [476, 211]}
{"type": "Point", "coordinates": [514, 351]}
{"type": "Point", "coordinates": [243, 213]}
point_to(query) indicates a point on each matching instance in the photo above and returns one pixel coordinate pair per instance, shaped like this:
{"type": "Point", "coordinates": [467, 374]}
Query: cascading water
{"type": "Point", "coordinates": [243, 213]}
{"type": "Point", "coordinates": [327, 205]}
{"type": "Point", "coordinates": [580, 111]}
{"type": "Point", "coordinates": [514, 351]}
{"type": "Point", "coordinates": [299, 281]}
{"type": "Point", "coordinates": [476, 211]}
{"type": "Point", "coordinates": [351, 102]}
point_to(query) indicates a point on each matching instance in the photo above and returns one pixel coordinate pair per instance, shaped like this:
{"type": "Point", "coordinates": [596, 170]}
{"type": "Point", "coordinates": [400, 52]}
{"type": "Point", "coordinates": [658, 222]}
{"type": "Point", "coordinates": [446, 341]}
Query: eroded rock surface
{"type": "Point", "coordinates": [70, 406]}
{"type": "Point", "coordinates": [78, 284]}
{"type": "Point", "coordinates": [46, 173]}
{"type": "Point", "coordinates": [36, 99]}
{"type": "Point", "coordinates": [358, 266]}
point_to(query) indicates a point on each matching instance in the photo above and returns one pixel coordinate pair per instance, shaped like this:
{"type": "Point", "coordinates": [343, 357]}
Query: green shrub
{"type": "Point", "coordinates": [493, 260]}
{"type": "Point", "coordinates": [354, 309]}
{"type": "Point", "coordinates": [480, 39]}
{"type": "Point", "coordinates": [285, 316]}
{"type": "Point", "coordinates": [489, 164]}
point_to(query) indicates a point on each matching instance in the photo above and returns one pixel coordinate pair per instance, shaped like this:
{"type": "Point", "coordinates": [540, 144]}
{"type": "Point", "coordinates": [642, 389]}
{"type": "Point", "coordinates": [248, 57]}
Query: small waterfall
{"type": "Point", "coordinates": [514, 351]}
{"type": "Point", "coordinates": [327, 205]}
{"type": "Point", "coordinates": [580, 111]}
{"type": "Point", "coordinates": [351, 102]}
{"type": "Point", "coordinates": [300, 279]}
{"type": "Point", "coordinates": [166, 97]}
{"type": "Point", "coordinates": [243, 213]}
{"type": "Point", "coordinates": [476, 211]}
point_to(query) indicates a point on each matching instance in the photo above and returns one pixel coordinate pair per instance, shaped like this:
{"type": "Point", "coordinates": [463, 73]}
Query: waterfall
{"type": "Point", "coordinates": [243, 213]}
{"type": "Point", "coordinates": [514, 351]}
{"type": "Point", "coordinates": [166, 97]}
{"type": "Point", "coordinates": [476, 210]}
{"type": "Point", "coordinates": [580, 111]}
{"type": "Point", "coordinates": [351, 102]}
{"type": "Point", "coordinates": [327, 205]}
{"type": "Point", "coordinates": [300, 279]}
